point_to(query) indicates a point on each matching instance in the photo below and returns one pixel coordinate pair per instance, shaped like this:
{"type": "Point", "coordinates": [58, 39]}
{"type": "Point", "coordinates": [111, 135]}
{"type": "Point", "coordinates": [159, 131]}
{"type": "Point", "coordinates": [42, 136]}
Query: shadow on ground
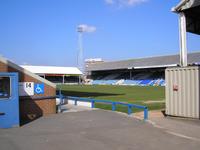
{"type": "Point", "coordinates": [99, 130]}
{"type": "Point", "coordinates": [87, 94]}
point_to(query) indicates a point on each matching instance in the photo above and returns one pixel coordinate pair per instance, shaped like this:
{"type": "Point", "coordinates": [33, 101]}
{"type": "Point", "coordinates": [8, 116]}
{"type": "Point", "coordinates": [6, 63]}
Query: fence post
{"type": "Point", "coordinates": [60, 93]}
{"type": "Point", "coordinates": [60, 103]}
{"type": "Point", "coordinates": [129, 109]}
{"type": "Point", "coordinates": [113, 106]}
{"type": "Point", "coordinates": [93, 105]}
{"type": "Point", "coordinates": [75, 101]}
{"type": "Point", "coordinates": [146, 114]}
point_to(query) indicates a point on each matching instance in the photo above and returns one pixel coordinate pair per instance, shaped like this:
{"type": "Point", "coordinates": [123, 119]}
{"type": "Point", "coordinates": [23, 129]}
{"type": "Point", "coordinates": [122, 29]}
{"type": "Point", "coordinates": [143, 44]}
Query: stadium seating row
{"type": "Point", "coordinates": [134, 76]}
{"type": "Point", "coordinates": [147, 82]}
{"type": "Point", "coordinates": [104, 82]}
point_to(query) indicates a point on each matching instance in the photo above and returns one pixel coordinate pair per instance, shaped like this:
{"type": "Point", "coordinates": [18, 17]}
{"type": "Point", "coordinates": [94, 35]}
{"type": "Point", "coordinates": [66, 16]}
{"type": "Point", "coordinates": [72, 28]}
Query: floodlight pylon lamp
{"type": "Point", "coordinates": [80, 51]}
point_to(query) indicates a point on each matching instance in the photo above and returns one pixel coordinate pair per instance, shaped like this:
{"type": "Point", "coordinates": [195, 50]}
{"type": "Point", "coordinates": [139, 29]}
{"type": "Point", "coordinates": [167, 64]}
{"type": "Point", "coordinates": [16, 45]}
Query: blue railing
{"type": "Point", "coordinates": [93, 101]}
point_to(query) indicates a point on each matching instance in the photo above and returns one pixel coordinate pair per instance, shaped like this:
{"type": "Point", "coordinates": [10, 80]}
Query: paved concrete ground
{"type": "Point", "coordinates": [72, 108]}
{"type": "Point", "coordinates": [84, 128]}
{"type": "Point", "coordinates": [91, 130]}
{"type": "Point", "coordinates": [183, 127]}
{"type": "Point", "coordinates": [179, 126]}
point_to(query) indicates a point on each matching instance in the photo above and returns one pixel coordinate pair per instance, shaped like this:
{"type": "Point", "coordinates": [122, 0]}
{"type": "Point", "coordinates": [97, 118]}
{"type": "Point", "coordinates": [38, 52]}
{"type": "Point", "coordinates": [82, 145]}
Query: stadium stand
{"type": "Point", "coordinates": [111, 77]}
{"type": "Point", "coordinates": [55, 74]}
{"type": "Point", "coordinates": [139, 72]}
{"type": "Point", "coordinates": [131, 82]}
{"type": "Point", "coordinates": [104, 82]}
{"type": "Point", "coordinates": [158, 82]}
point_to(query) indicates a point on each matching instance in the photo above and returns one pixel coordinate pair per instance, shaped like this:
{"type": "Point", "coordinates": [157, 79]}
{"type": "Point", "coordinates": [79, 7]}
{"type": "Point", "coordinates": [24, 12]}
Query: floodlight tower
{"type": "Point", "coordinates": [80, 62]}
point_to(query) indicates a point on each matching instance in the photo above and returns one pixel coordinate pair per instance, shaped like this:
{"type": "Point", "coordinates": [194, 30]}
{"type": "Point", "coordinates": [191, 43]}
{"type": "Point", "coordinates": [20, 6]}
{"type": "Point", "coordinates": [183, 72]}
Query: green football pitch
{"type": "Point", "coordinates": [151, 96]}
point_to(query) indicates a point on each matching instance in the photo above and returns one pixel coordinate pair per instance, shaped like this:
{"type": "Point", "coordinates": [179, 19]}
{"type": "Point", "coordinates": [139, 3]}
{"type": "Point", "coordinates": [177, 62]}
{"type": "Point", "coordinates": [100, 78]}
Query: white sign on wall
{"type": "Point", "coordinates": [26, 88]}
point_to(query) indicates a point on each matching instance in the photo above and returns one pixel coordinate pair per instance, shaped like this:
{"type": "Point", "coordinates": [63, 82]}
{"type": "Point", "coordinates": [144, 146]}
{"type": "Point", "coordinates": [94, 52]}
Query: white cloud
{"type": "Point", "coordinates": [109, 1]}
{"type": "Point", "coordinates": [86, 28]}
{"type": "Point", "coordinates": [123, 3]}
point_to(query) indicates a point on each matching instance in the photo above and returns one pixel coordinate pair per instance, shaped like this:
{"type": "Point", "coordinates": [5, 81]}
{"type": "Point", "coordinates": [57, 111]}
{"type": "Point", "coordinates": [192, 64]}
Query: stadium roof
{"type": "Point", "coordinates": [25, 71]}
{"type": "Point", "coordinates": [53, 70]}
{"type": "Point", "coordinates": [191, 8]}
{"type": "Point", "coordinates": [141, 63]}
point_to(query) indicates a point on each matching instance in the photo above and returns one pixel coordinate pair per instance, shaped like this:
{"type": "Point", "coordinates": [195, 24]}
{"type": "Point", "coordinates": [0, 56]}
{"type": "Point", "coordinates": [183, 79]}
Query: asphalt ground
{"type": "Point", "coordinates": [92, 130]}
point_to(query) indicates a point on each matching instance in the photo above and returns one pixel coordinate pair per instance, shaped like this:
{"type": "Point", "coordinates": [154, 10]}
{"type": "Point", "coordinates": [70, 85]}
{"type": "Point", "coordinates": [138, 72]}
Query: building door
{"type": "Point", "coordinates": [9, 100]}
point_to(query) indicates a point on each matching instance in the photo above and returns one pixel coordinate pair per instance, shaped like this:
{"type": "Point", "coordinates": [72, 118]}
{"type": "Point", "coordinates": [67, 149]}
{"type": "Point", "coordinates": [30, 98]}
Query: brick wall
{"type": "Point", "coordinates": [30, 108]}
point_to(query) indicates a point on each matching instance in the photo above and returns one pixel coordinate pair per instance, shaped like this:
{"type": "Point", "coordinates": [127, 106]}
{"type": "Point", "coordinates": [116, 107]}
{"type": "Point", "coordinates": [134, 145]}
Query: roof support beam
{"type": "Point", "coordinates": [183, 39]}
{"type": "Point", "coordinates": [63, 78]}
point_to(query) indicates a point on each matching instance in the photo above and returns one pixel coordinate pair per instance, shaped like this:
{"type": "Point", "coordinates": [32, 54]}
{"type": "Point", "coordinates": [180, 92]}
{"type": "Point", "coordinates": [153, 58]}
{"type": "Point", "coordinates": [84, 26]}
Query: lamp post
{"type": "Point", "coordinates": [81, 29]}
{"type": "Point", "coordinates": [80, 52]}
{"type": "Point", "coordinates": [80, 62]}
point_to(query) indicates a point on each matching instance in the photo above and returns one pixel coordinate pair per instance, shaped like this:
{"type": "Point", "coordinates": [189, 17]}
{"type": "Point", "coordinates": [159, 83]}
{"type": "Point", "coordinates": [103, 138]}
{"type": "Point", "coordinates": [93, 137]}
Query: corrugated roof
{"type": "Point", "coordinates": [53, 70]}
{"type": "Point", "coordinates": [191, 8]}
{"type": "Point", "coordinates": [186, 4]}
{"type": "Point", "coordinates": [149, 62]}
{"type": "Point", "coordinates": [25, 71]}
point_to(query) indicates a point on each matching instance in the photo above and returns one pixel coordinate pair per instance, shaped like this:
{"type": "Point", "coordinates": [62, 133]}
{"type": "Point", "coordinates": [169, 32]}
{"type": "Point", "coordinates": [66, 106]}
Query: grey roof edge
{"type": "Point", "coordinates": [17, 67]}
{"type": "Point", "coordinates": [184, 5]}
{"type": "Point", "coordinates": [143, 58]}
{"type": "Point", "coordinates": [135, 59]}
{"type": "Point", "coordinates": [180, 4]}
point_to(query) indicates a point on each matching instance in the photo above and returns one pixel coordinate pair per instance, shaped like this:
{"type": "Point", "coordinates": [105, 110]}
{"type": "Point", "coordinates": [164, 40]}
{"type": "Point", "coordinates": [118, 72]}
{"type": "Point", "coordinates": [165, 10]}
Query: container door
{"type": "Point", "coordinates": [9, 100]}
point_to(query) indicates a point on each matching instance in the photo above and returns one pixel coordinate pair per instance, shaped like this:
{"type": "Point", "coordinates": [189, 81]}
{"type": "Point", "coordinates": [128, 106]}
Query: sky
{"type": "Point", "coordinates": [44, 32]}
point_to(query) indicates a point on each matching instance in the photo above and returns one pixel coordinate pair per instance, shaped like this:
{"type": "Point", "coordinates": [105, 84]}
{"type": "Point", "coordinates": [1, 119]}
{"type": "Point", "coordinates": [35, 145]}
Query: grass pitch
{"type": "Point", "coordinates": [152, 97]}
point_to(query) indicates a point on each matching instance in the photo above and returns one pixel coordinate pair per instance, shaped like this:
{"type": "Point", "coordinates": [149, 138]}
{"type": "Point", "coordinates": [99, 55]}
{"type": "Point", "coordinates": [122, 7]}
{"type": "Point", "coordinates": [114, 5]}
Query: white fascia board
{"type": "Point", "coordinates": [53, 70]}
{"type": "Point", "coordinates": [25, 71]}
{"type": "Point", "coordinates": [158, 66]}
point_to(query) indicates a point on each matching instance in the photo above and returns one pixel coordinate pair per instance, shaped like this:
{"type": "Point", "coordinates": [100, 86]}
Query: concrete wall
{"type": "Point", "coordinates": [31, 108]}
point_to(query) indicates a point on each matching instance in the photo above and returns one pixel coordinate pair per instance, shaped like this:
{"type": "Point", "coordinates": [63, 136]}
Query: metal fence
{"type": "Point", "coordinates": [112, 103]}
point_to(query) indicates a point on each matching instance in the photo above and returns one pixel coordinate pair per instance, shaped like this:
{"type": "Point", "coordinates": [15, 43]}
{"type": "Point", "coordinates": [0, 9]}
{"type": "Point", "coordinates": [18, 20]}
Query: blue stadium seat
{"type": "Point", "coordinates": [147, 82]}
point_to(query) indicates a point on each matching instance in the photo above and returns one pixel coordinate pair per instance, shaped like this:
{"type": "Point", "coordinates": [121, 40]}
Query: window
{"type": "Point", "coordinates": [4, 87]}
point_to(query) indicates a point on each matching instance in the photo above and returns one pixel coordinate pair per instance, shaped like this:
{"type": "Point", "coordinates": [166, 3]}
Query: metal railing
{"type": "Point", "coordinates": [112, 103]}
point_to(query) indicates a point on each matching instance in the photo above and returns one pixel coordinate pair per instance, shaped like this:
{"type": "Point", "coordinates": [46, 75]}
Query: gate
{"type": "Point", "coordinates": [9, 100]}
